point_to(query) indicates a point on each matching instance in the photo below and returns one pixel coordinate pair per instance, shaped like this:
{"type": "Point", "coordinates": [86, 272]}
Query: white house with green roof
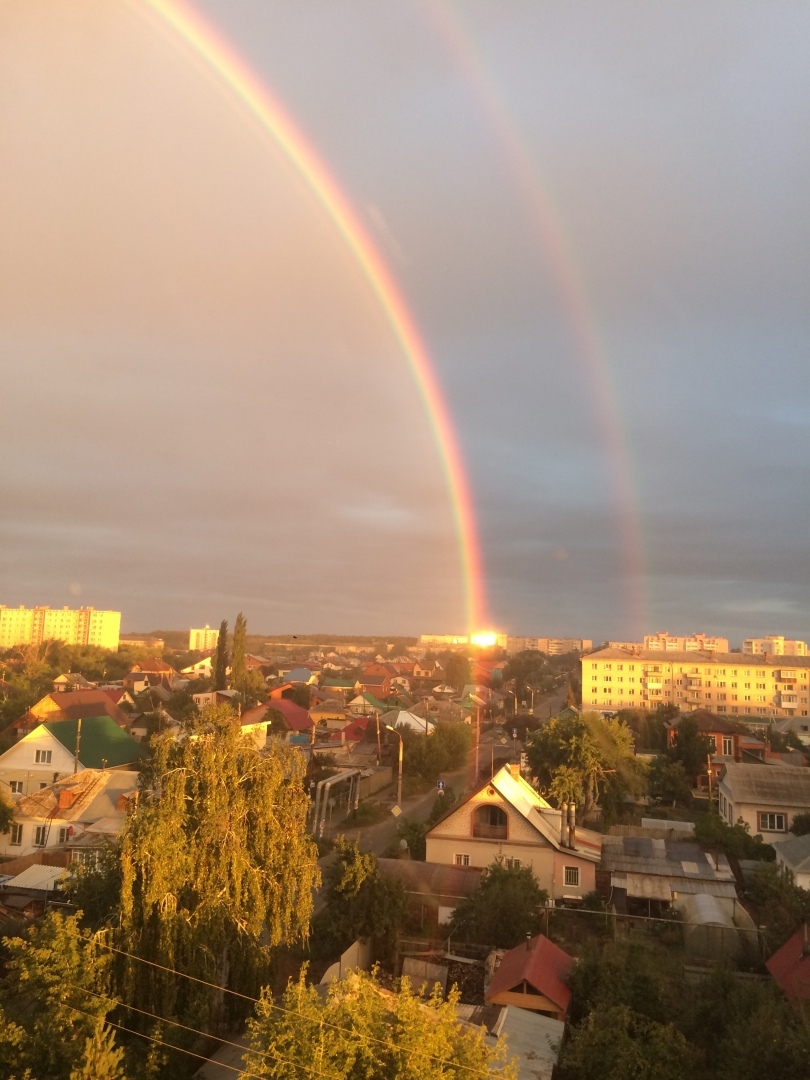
{"type": "Point", "coordinates": [49, 753]}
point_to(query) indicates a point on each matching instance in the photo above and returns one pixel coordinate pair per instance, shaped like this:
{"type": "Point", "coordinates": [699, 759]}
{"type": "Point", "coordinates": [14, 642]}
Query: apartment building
{"type": "Point", "coordinates": [85, 626]}
{"type": "Point", "coordinates": [754, 688]}
{"type": "Point", "coordinates": [547, 645]}
{"type": "Point", "coordinates": [775, 645]}
{"type": "Point", "coordinates": [202, 639]}
{"type": "Point", "coordinates": [663, 642]}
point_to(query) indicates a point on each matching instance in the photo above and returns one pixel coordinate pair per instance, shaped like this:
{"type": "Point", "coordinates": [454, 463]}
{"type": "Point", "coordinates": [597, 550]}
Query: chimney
{"type": "Point", "coordinates": [528, 941]}
{"type": "Point", "coordinates": [563, 818]}
{"type": "Point", "coordinates": [572, 825]}
{"type": "Point", "coordinates": [66, 799]}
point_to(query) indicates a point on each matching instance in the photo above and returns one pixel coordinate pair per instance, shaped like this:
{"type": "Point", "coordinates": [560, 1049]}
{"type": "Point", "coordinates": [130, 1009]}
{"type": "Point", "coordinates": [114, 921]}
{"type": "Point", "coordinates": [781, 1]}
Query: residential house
{"type": "Point", "coordinates": [378, 685]}
{"type": "Point", "coordinates": [70, 705]}
{"type": "Point", "coordinates": [765, 797]}
{"type": "Point", "coordinates": [402, 718]}
{"type": "Point", "coordinates": [216, 697]}
{"type": "Point", "coordinates": [158, 673]}
{"type": "Point", "coordinates": [506, 818]}
{"type": "Point", "coordinates": [50, 752]}
{"type": "Point", "coordinates": [301, 675]}
{"type": "Point", "coordinates": [532, 976]}
{"type": "Point", "coordinates": [255, 723]}
{"type": "Point", "coordinates": [797, 725]}
{"type": "Point", "coordinates": [202, 669]}
{"type": "Point", "coordinates": [367, 705]}
{"type": "Point", "coordinates": [437, 890]}
{"type": "Point", "coordinates": [793, 856]}
{"type": "Point", "coordinates": [295, 719]}
{"type": "Point", "coordinates": [89, 806]}
{"type": "Point", "coordinates": [330, 716]}
{"type": "Point", "coordinates": [726, 741]}
{"type": "Point", "coordinates": [72, 680]}
{"type": "Point", "coordinates": [789, 967]}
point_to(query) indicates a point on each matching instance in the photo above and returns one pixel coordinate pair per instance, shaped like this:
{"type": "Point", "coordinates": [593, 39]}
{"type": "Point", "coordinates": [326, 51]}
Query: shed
{"type": "Point", "coordinates": [532, 976]}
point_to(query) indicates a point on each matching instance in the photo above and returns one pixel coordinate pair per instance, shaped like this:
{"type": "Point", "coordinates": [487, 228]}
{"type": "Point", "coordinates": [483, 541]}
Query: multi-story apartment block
{"type": "Point", "coordinates": [776, 645]}
{"type": "Point", "coordinates": [662, 642]}
{"type": "Point", "coordinates": [202, 639]}
{"type": "Point", "coordinates": [85, 626]}
{"type": "Point", "coordinates": [754, 688]}
{"type": "Point", "coordinates": [550, 646]}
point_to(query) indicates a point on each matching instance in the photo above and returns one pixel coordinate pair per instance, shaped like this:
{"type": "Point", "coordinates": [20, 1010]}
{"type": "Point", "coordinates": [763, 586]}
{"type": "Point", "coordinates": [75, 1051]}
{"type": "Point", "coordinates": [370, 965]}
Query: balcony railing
{"type": "Point", "coordinates": [489, 832]}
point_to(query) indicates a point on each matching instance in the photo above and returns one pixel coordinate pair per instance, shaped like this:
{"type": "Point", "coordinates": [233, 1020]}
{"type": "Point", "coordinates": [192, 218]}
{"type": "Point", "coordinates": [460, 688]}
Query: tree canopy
{"type": "Point", "coordinates": [582, 758]}
{"type": "Point", "coordinates": [361, 1030]}
{"type": "Point", "coordinates": [216, 866]}
{"type": "Point", "coordinates": [221, 658]}
{"type": "Point", "coordinates": [505, 907]}
{"type": "Point", "coordinates": [690, 747]}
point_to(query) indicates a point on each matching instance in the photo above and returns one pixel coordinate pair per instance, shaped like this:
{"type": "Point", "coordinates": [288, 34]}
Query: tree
{"type": "Point", "coordinates": [6, 815]}
{"type": "Point", "coordinates": [457, 671]}
{"type": "Point", "coordinates": [690, 747]}
{"type": "Point", "coordinates": [618, 1044]}
{"type": "Point", "coordinates": [428, 756]}
{"type": "Point", "coordinates": [238, 669]}
{"type": "Point", "coordinates": [102, 1058]}
{"type": "Point", "coordinates": [505, 907]}
{"type": "Point", "coordinates": [217, 866]}
{"type": "Point", "coordinates": [801, 824]}
{"type": "Point", "coordinates": [52, 997]}
{"type": "Point", "coordinates": [221, 658]}
{"type": "Point", "coordinates": [358, 1031]}
{"type": "Point", "coordinates": [669, 781]}
{"type": "Point", "coordinates": [580, 758]}
{"type": "Point", "coordinates": [360, 903]}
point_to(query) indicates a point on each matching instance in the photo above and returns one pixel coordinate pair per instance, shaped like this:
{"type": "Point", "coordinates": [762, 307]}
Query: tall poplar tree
{"type": "Point", "coordinates": [221, 659]}
{"type": "Point", "coordinates": [238, 669]}
{"type": "Point", "coordinates": [217, 868]}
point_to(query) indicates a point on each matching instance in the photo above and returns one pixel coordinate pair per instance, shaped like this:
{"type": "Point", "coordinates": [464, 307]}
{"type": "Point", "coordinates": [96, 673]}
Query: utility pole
{"type": "Point", "coordinates": [78, 743]}
{"type": "Point", "coordinates": [477, 741]}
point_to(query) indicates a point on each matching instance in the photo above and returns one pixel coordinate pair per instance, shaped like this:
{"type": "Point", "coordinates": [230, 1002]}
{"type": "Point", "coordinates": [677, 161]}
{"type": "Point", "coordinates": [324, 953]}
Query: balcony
{"type": "Point", "coordinates": [489, 832]}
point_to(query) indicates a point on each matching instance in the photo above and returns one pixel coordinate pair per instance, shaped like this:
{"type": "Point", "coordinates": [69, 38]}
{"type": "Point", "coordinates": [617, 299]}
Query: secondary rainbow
{"type": "Point", "coordinates": [186, 28]}
{"type": "Point", "coordinates": [548, 225]}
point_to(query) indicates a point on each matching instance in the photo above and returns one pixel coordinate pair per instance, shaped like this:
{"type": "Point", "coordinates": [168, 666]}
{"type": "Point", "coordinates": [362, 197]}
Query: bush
{"type": "Point", "coordinates": [735, 840]}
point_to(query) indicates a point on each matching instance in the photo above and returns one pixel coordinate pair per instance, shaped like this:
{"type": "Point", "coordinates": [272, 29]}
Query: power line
{"type": "Point", "coordinates": [160, 1042]}
{"type": "Point", "coordinates": [204, 1034]}
{"type": "Point", "coordinates": [281, 1008]}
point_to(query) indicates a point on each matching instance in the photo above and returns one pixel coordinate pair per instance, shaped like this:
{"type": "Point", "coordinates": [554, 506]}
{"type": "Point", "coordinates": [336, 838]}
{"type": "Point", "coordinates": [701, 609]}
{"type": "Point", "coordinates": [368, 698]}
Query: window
{"type": "Point", "coordinates": [461, 860]}
{"type": "Point", "coordinates": [727, 746]}
{"type": "Point", "coordinates": [65, 834]}
{"type": "Point", "coordinates": [572, 875]}
{"type": "Point", "coordinates": [513, 864]}
{"type": "Point", "coordinates": [40, 833]}
{"type": "Point", "coordinates": [16, 787]}
{"type": "Point", "coordinates": [771, 822]}
{"type": "Point", "coordinates": [43, 757]}
{"type": "Point", "coordinates": [16, 835]}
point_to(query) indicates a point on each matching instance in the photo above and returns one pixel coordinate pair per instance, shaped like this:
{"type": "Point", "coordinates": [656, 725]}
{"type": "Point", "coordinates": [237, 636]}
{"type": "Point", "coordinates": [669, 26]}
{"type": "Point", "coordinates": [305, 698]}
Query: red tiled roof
{"type": "Point", "coordinates": [790, 969]}
{"type": "Point", "coordinates": [296, 718]}
{"type": "Point", "coordinates": [543, 965]}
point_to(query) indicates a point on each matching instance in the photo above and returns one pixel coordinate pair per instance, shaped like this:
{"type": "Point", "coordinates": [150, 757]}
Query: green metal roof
{"type": "Point", "coordinates": [103, 743]}
{"type": "Point", "coordinates": [346, 684]}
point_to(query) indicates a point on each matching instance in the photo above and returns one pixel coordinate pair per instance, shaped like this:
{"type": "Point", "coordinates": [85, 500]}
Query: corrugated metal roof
{"type": "Point", "coordinates": [784, 786]}
{"type": "Point", "coordinates": [664, 858]}
{"type": "Point", "coordinates": [37, 877]}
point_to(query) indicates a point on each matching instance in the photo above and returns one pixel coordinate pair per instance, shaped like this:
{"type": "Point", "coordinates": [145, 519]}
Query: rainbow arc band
{"type": "Point", "coordinates": [188, 30]}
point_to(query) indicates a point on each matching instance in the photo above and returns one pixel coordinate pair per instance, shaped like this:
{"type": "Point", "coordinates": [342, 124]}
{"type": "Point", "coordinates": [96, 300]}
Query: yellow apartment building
{"type": "Point", "coordinates": [202, 639]}
{"type": "Point", "coordinates": [754, 688]}
{"type": "Point", "coordinates": [82, 626]}
{"type": "Point", "coordinates": [664, 642]}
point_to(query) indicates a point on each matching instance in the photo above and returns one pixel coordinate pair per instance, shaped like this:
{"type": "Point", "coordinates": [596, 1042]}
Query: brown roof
{"type": "Point", "coordinates": [711, 722]}
{"type": "Point", "coordinates": [540, 963]}
{"type": "Point", "coordinates": [154, 665]}
{"type": "Point", "coordinates": [75, 704]}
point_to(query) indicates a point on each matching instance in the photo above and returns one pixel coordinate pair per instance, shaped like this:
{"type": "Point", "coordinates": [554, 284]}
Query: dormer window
{"type": "Point", "coordinates": [490, 823]}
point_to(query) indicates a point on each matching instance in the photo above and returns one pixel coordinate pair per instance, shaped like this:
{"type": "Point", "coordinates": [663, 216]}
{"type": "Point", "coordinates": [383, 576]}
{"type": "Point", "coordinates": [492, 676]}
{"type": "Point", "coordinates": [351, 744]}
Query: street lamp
{"type": "Point", "coordinates": [399, 780]}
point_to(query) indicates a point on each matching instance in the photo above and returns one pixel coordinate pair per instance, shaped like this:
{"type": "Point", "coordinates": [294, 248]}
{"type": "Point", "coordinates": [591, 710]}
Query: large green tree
{"type": "Point", "coordinates": [618, 1044]}
{"type": "Point", "coordinates": [690, 747]}
{"type": "Point", "coordinates": [238, 653]}
{"type": "Point", "coordinates": [217, 868]}
{"type": "Point", "coordinates": [360, 1031]}
{"type": "Point", "coordinates": [457, 671]}
{"type": "Point", "coordinates": [506, 906]}
{"type": "Point", "coordinates": [221, 658]}
{"type": "Point", "coordinates": [582, 758]}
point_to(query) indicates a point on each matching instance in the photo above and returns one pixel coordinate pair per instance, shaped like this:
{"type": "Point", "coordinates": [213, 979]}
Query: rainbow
{"type": "Point", "coordinates": [547, 223]}
{"type": "Point", "coordinates": [186, 29]}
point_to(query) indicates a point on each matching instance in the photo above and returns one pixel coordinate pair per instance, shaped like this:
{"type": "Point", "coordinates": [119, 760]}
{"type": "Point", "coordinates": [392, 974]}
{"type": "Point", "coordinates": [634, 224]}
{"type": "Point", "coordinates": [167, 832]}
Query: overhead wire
{"type": "Point", "coordinates": [281, 1008]}
{"type": "Point", "coordinates": [205, 1034]}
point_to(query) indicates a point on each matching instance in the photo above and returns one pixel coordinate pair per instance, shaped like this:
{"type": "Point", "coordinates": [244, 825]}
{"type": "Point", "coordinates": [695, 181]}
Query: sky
{"type": "Point", "coordinates": [597, 218]}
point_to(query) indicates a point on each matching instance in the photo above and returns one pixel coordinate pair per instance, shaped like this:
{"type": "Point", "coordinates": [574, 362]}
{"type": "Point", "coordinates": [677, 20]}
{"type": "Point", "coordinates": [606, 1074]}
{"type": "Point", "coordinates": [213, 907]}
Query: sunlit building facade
{"type": "Point", "coordinates": [82, 626]}
{"type": "Point", "coordinates": [776, 645]}
{"type": "Point", "coordinates": [753, 688]}
{"type": "Point", "coordinates": [663, 642]}
{"type": "Point", "coordinates": [202, 639]}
